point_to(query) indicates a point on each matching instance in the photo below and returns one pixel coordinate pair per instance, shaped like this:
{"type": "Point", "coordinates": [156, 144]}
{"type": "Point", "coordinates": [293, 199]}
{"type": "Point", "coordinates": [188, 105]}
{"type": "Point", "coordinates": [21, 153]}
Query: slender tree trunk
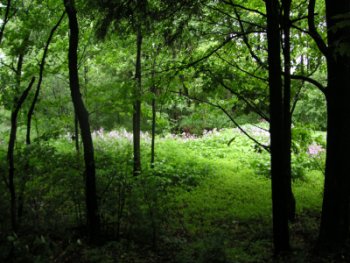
{"type": "Point", "coordinates": [137, 106]}
{"type": "Point", "coordinates": [93, 220]}
{"type": "Point", "coordinates": [154, 112]}
{"type": "Point", "coordinates": [278, 178]}
{"type": "Point", "coordinates": [12, 140]}
{"type": "Point", "coordinates": [287, 109]}
{"type": "Point", "coordinates": [334, 230]}
{"type": "Point", "coordinates": [76, 133]}
{"type": "Point", "coordinates": [10, 154]}
{"type": "Point", "coordinates": [41, 73]}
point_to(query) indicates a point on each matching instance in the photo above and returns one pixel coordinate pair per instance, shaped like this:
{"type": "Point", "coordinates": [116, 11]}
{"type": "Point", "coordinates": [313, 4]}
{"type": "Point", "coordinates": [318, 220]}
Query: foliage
{"type": "Point", "coordinates": [311, 110]}
{"type": "Point", "coordinates": [207, 198]}
{"type": "Point", "coordinates": [201, 199]}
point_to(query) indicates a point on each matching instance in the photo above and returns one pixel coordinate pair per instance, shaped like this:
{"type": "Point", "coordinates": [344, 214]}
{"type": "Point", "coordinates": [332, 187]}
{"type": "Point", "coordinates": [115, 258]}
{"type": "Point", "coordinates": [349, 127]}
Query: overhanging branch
{"type": "Point", "coordinates": [310, 80]}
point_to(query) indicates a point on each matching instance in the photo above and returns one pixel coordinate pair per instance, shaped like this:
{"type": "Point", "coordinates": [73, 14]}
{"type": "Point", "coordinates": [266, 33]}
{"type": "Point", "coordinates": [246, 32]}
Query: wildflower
{"type": "Point", "coordinates": [315, 149]}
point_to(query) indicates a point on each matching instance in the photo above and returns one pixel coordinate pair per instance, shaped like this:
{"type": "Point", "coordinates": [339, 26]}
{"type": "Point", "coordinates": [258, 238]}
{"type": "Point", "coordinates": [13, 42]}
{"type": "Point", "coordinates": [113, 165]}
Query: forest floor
{"type": "Point", "coordinates": [206, 201]}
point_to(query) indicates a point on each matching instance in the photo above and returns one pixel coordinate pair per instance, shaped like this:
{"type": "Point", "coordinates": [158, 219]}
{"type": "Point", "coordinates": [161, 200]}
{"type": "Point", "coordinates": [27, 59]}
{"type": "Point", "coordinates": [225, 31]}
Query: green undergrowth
{"type": "Point", "coordinates": [207, 199]}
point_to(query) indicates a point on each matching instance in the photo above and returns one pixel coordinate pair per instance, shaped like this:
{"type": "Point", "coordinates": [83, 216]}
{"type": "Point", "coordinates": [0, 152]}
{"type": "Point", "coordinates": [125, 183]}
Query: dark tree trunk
{"type": "Point", "coordinates": [278, 178]}
{"type": "Point", "coordinates": [334, 230]}
{"type": "Point", "coordinates": [10, 154]}
{"type": "Point", "coordinates": [287, 118]}
{"type": "Point", "coordinates": [137, 106]}
{"type": "Point", "coordinates": [41, 73]}
{"type": "Point", "coordinates": [93, 220]}
{"type": "Point", "coordinates": [12, 141]}
{"type": "Point", "coordinates": [76, 133]}
{"type": "Point", "coordinates": [154, 112]}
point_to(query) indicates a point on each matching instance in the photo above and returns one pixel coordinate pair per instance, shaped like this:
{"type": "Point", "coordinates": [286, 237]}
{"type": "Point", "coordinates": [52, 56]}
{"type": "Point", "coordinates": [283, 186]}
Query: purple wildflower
{"type": "Point", "coordinates": [315, 149]}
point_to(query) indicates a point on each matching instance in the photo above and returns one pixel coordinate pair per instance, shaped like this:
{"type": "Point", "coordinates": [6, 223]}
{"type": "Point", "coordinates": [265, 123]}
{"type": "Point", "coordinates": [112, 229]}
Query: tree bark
{"type": "Point", "coordinates": [287, 114]}
{"type": "Point", "coordinates": [154, 111]}
{"type": "Point", "coordinates": [76, 133]}
{"type": "Point", "coordinates": [278, 178]}
{"type": "Point", "coordinates": [137, 106]}
{"type": "Point", "coordinates": [10, 154]}
{"type": "Point", "coordinates": [334, 229]}
{"type": "Point", "coordinates": [92, 214]}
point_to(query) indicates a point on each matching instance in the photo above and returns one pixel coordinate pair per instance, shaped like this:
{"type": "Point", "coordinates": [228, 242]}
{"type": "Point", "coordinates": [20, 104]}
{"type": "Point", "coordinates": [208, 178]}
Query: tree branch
{"type": "Point", "coordinates": [312, 81]}
{"type": "Point", "coordinates": [240, 69]}
{"type": "Point", "coordinates": [313, 31]}
{"type": "Point", "coordinates": [206, 56]}
{"type": "Point", "coordinates": [235, 18]}
{"type": "Point", "coordinates": [41, 73]}
{"type": "Point", "coordinates": [296, 99]}
{"type": "Point", "coordinates": [238, 95]}
{"type": "Point", "coordinates": [265, 147]}
{"type": "Point", "coordinates": [6, 19]}
{"type": "Point", "coordinates": [244, 8]}
{"type": "Point", "coordinates": [11, 67]}
{"type": "Point", "coordinates": [246, 41]}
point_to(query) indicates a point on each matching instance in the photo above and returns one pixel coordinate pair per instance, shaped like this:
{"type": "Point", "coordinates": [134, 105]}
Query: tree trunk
{"type": "Point", "coordinates": [76, 133]}
{"type": "Point", "coordinates": [10, 154]}
{"type": "Point", "coordinates": [278, 178]}
{"type": "Point", "coordinates": [287, 118]}
{"type": "Point", "coordinates": [137, 107]}
{"type": "Point", "coordinates": [153, 125]}
{"type": "Point", "coordinates": [334, 230]}
{"type": "Point", "coordinates": [154, 111]}
{"type": "Point", "coordinates": [93, 220]}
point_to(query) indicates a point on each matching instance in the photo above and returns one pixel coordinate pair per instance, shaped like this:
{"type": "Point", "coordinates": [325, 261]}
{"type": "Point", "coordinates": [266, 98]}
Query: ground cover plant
{"type": "Point", "coordinates": [204, 201]}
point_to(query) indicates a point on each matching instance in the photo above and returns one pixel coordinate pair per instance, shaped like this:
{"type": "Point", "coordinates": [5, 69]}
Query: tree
{"type": "Point", "coordinates": [92, 214]}
{"type": "Point", "coordinates": [41, 73]}
{"type": "Point", "coordinates": [141, 15]}
{"type": "Point", "coordinates": [334, 229]}
{"type": "Point", "coordinates": [10, 153]}
{"type": "Point", "coordinates": [136, 121]}
{"type": "Point", "coordinates": [279, 180]}
{"type": "Point", "coordinates": [135, 13]}
{"type": "Point", "coordinates": [287, 113]}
